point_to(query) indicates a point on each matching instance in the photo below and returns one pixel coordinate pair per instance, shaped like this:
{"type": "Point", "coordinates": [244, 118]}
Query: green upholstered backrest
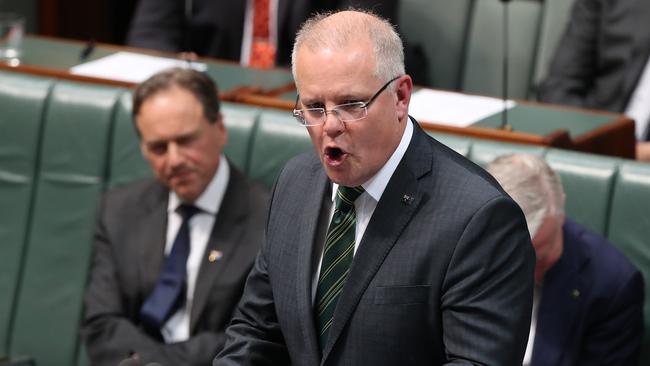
{"type": "Point", "coordinates": [278, 137]}
{"type": "Point", "coordinates": [556, 16]}
{"type": "Point", "coordinates": [22, 102]}
{"type": "Point", "coordinates": [629, 228]}
{"type": "Point", "coordinates": [484, 151]}
{"type": "Point", "coordinates": [461, 145]}
{"type": "Point", "coordinates": [126, 163]}
{"type": "Point", "coordinates": [463, 39]}
{"type": "Point", "coordinates": [70, 180]}
{"type": "Point", "coordinates": [440, 27]}
{"type": "Point", "coordinates": [483, 72]}
{"type": "Point", "coordinates": [240, 120]}
{"type": "Point", "coordinates": [585, 175]}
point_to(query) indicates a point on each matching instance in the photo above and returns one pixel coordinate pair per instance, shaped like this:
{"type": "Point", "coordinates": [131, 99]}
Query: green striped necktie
{"type": "Point", "coordinates": [337, 258]}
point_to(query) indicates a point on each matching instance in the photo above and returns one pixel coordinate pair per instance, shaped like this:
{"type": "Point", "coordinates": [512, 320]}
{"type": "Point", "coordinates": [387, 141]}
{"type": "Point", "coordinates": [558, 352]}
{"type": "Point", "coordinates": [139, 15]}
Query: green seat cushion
{"type": "Point", "coordinates": [22, 102]}
{"type": "Point", "coordinates": [484, 151]}
{"type": "Point", "coordinates": [241, 122]}
{"type": "Point", "coordinates": [277, 138]}
{"type": "Point", "coordinates": [461, 145]}
{"type": "Point", "coordinates": [69, 183]}
{"type": "Point", "coordinates": [126, 163]}
{"type": "Point", "coordinates": [629, 228]}
{"type": "Point", "coordinates": [588, 181]}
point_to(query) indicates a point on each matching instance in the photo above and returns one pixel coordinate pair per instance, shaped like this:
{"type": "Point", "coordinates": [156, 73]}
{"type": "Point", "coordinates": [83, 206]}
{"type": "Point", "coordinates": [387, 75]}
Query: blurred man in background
{"type": "Point", "coordinates": [588, 302]}
{"type": "Point", "coordinates": [171, 254]}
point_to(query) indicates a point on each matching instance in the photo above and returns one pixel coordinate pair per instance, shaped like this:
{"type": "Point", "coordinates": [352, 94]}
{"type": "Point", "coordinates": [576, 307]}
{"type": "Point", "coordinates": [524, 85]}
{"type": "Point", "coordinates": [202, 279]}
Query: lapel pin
{"type": "Point", "coordinates": [407, 200]}
{"type": "Point", "coordinates": [214, 255]}
{"type": "Point", "coordinates": [575, 293]}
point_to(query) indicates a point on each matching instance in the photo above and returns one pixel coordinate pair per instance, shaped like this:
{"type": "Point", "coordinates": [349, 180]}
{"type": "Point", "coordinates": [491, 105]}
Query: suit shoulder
{"type": "Point", "coordinates": [304, 163]}
{"type": "Point", "coordinates": [605, 259]}
{"type": "Point", "coordinates": [133, 194]}
{"type": "Point", "coordinates": [461, 175]}
{"type": "Point", "coordinates": [257, 193]}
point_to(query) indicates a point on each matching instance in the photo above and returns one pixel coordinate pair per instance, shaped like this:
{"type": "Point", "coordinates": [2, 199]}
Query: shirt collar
{"type": "Point", "coordinates": [210, 200]}
{"type": "Point", "coordinates": [376, 185]}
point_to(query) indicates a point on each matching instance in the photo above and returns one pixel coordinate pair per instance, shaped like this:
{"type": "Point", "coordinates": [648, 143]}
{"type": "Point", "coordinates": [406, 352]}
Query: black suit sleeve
{"type": "Point", "coordinates": [574, 67]}
{"type": "Point", "coordinates": [254, 336]}
{"type": "Point", "coordinates": [614, 335]}
{"type": "Point", "coordinates": [158, 24]}
{"type": "Point", "coordinates": [108, 331]}
{"type": "Point", "coordinates": [488, 288]}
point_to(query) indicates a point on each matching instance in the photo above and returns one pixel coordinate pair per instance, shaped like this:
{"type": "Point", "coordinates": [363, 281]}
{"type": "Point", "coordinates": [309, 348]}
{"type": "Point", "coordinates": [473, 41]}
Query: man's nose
{"type": "Point", "coordinates": [332, 125]}
{"type": "Point", "coordinates": [174, 155]}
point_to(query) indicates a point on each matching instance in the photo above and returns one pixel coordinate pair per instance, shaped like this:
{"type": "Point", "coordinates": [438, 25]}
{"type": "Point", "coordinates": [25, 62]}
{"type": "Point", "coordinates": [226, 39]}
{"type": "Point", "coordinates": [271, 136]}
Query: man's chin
{"type": "Point", "coordinates": [342, 177]}
{"type": "Point", "coordinates": [185, 193]}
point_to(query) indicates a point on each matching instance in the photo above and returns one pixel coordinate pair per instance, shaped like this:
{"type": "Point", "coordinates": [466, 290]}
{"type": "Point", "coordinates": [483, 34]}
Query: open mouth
{"type": "Point", "coordinates": [334, 155]}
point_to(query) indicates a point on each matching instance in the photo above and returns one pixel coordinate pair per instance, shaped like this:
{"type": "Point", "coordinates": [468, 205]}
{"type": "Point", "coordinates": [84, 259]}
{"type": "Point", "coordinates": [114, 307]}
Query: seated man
{"type": "Point", "coordinates": [588, 303]}
{"type": "Point", "coordinates": [602, 62]}
{"type": "Point", "coordinates": [227, 29]}
{"type": "Point", "coordinates": [232, 29]}
{"type": "Point", "coordinates": [171, 254]}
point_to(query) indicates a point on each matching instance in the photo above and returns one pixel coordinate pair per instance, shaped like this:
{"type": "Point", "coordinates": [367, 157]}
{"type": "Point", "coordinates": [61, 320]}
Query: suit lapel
{"type": "Point", "coordinates": [563, 293]}
{"type": "Point", "coordinates": [223, 238]}
{"type": "Point", "coordinates": [394, 211]}
{"type": "Point", "coordinates": [151, 237]}
{"type": "Point", "coordinates": [313, 204]}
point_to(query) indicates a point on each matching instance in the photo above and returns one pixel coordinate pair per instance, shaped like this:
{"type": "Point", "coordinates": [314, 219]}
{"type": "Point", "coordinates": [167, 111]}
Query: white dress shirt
{"type": "Point", "coordinates": [528, 356]}
{"type": "Point", "coordinates": [365, 205]}
{"type": "Point", "coordinates": [177, 328]}
{"type": "Point", "coordinates": [638, 108]}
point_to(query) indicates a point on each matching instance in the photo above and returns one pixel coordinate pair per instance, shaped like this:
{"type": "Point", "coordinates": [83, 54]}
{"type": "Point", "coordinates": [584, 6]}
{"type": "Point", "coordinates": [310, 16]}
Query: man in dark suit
{"type": "Point", "coordinates": [137, 240]}
{"type": "Point", "coordinates": [216, 27]}
{"type": "Point", "coordinates": [588, 307]}
{"type": "Point", "coordinates": [601, 58]}
{"type": "Point", "coordinates": [426, 260]}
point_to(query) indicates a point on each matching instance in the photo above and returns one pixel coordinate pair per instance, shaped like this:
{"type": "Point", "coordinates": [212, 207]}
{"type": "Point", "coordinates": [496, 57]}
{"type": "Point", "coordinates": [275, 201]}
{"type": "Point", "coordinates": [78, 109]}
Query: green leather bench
{"type": "Point", "coordinates": [64, 143]}
{"type": "Point", "coordinates": [463, 42]}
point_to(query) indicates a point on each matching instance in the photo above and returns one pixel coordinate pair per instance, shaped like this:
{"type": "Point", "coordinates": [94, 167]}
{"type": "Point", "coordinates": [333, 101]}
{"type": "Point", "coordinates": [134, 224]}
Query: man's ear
{"type": "Point", "coordinates": [403, 90]}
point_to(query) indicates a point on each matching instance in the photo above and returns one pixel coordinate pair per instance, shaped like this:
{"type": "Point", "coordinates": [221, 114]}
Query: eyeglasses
{"type": "Point", "coordinates": [346, 112]}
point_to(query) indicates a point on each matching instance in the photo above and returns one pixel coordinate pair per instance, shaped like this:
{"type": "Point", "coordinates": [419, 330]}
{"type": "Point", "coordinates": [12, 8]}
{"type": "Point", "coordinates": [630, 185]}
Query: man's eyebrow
{"type": "Point", "coordinates": [337, 99]}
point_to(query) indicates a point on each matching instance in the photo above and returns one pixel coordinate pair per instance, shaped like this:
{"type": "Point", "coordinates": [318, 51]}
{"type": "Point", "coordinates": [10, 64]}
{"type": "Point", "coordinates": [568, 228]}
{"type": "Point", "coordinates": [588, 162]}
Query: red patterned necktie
{"type": "Point", "coordinates": [262, 49]}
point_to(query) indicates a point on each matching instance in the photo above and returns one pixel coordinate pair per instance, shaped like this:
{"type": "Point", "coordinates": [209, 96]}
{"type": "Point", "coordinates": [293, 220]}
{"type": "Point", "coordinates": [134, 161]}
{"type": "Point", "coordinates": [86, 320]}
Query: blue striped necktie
{"type": "Point", "coordinates": [337, 258]}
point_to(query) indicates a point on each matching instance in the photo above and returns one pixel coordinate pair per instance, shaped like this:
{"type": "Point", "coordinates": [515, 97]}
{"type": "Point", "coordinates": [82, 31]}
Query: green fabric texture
{"type": "Point", "coordinates": [22, 102]}
{"type": "Point", "coordinates": [278, 138]}
{"type": "Point", "coordinates": [584, 175]}
{"type": "Point", "coordinates": [70, 180]}
{"type": "Point", "coordinates": [126, 163]}
{"type": "Point", "coordinates": [629, 229]}
{"type": "Point", "coordinates": [483, 151]}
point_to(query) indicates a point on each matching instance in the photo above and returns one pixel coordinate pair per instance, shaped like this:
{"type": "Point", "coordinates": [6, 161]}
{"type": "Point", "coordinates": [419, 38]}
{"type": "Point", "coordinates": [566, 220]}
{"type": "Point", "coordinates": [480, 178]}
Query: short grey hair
{"type": "Point", "coordinates": [342, 28]}
{"type": "Point", "coordinates": [531, 182]}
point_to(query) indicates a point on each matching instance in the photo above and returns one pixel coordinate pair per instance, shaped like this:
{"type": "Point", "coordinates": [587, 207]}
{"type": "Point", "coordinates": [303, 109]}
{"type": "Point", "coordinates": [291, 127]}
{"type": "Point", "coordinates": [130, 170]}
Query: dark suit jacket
{"type": "Point", "coordinates": [443, 274]}
{"type": "Point", "coordinates": [128, 257]}
{"type": "Point", "coordinates": [601, 55]}
{"type": "Point", "coordinates": [216, 27]}
{"type": "Point", "coordinates": [591, 309]}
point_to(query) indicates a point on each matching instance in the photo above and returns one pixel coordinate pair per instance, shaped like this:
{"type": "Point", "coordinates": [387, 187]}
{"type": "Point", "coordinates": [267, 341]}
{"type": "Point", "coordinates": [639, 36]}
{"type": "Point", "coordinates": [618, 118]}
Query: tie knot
{"type": "Point", "coordinates": [345, 196]}
{"type": "Point", "coordinates": [187, 211]}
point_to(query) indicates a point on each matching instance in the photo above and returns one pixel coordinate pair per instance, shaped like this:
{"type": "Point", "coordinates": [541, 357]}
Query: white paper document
{"type": "Point", "coordinates": [131, 67]}
{"type": "Point", "coordinates": [453, 109]}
